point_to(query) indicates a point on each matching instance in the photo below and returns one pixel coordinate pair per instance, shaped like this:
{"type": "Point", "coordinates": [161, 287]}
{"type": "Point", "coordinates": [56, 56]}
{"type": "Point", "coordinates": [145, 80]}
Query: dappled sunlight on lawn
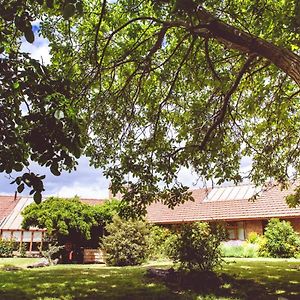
{"type": "Point", "coordinates": [239, 279]}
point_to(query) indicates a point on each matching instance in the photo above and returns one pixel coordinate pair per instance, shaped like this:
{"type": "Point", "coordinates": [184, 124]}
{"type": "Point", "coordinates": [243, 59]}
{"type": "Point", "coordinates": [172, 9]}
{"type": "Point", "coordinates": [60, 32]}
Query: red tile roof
{"type": "Point", "coordinates": [92, 201]}
{"type": "Point", "coordinates": [7, 204]}
{"type": "Point", "coordinates": [270, 203]}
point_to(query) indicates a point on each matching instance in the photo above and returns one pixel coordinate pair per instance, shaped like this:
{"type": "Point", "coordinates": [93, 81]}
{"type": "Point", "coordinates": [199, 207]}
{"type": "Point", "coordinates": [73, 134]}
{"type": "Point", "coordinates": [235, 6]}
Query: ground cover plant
{"type": "Point", "coordinates": [239, 279]}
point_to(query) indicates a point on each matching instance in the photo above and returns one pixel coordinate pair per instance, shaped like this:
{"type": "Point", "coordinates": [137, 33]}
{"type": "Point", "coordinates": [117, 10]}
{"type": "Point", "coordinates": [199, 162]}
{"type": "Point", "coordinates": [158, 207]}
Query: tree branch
{"type": "Point", "coordinates": [97, 30]}
{"type": "Point", "coordinates": [237, 39]}
{"type": "Point", "coordinates": [209, 61]}
{"type": "Point", "coordinates": [222, 112]}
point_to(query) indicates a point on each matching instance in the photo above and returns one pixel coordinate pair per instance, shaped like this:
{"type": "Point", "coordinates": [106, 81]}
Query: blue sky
{"type": "Point", "coordinates": [86, 181]}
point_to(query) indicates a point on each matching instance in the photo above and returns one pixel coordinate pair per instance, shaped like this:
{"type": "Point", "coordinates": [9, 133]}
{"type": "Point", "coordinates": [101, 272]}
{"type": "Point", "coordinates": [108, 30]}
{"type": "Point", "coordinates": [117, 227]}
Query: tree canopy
{"type": "Point", "coordinates": [70, 219]}
{"type": "Point", "coordinates": [145, 87]}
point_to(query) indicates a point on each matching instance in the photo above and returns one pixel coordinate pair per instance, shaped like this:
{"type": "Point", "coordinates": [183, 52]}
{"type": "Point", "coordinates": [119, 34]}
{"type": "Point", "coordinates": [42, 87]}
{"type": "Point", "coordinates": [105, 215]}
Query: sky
{"type": "Point", "coordinates": [86, 181]}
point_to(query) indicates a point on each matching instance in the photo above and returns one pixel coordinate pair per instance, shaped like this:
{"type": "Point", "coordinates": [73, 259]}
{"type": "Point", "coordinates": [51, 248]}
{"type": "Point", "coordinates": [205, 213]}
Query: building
{"type": "Point", "coordinates": [11, 220]}
{"type": "Point", "coordinates": [10, 223]}
{"type": "Point", "coordinates": [233, 205]}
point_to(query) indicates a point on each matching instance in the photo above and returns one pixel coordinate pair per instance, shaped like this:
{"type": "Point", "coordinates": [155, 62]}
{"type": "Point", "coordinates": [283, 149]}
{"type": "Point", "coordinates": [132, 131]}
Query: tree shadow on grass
{"type": "Point", "coordinates": [81, 283]}
{"type": "Point", "coordinates": [212, 285]}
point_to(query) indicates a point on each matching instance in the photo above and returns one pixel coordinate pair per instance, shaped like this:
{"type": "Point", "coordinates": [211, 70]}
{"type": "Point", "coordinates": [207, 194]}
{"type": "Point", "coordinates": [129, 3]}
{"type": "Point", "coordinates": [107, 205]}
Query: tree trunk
{"type": "Point", "coordinates": [242, 41]}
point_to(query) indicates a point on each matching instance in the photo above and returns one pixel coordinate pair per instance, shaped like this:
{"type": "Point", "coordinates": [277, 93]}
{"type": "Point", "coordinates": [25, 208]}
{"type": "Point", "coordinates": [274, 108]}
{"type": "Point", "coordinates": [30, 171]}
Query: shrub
{"type": "Point", "coordinates": [196, 246]}
{"type": "Point", "coordinates": [22, 250]}
{"type": "Point", "coordinates": [158, 242]}
{"type": "Point", "coordinates": [7, 247]}
{"type": "Point", "coordinates": [261, 242]}
{"type": "Point", "coordinates": [126, 243]}
{"type": "Point", "coordinates": [281, 239]}
{"type": "Point", "coordinates": [253, 238]}
{"type": "Point", "coordinates": [239, 249]}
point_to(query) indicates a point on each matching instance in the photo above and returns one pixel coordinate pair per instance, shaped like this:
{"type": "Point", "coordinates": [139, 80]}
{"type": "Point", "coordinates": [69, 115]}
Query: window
{"type": "Point", "coordinates": [236, 231]}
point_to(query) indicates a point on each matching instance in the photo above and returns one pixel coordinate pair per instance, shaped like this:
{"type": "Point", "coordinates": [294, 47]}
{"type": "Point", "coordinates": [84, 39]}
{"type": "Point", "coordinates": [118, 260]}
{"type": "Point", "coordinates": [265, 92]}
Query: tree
{"type": "Point", "coordinates": [165, 84]}
{"type": "Point", "coordinates": [69, 220]}
{"type": "Point", "coordinates": [39, 120]}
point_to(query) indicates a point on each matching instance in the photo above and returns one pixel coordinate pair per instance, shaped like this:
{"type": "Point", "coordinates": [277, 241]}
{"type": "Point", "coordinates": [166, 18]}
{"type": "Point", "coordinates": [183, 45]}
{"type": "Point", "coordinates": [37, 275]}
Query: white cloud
{"type": "Point", "coordinates": [92, 190]}
{"type": "Point", "coordinates": [39, 49]}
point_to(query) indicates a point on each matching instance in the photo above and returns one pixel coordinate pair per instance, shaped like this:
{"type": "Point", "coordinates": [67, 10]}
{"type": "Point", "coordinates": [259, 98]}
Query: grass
{"type": "Point", "coordinates": [19, 262]}
{"type": "Point", "coordinates": [239, 279]}
{"type": "Point", "coordinates": [271, 278]}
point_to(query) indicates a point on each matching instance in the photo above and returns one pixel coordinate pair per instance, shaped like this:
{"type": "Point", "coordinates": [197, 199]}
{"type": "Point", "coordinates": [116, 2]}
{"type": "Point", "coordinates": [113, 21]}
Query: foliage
{"type": "Point", "coordinates": [253, 237]}
{"type": "Point", "coordinates": [126, 242]}
{"type": "Point", "coordinates": [160, 85]}
{"type": "Point", "coordinates": [105, 212]}
{"type": "Point", "coordinates": [281, 239]}
{"type": "Point", "coordinates": [196, 246]}
{"type": "Point", "coordinates": [70, 219]}
{"type": "Point", "coordinates": [239, 249]}
{"type": "Point", "coordinates": [22, 250]}
{"type": "Point", "coordinates": [158, 242]}
{"type": "Point", "coordinates": [7, 247]}
{"type": "Point", "coordinates": [262, 249]}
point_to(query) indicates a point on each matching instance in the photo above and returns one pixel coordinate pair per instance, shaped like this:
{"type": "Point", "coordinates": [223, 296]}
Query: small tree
{"type": "Point", "coordinates": [196, 246]}
{"type": "Point", "coordinates": [126, 242]}
{"type": "Point", "coordinates": [281, 239]}
{"type": "Point", "coordinates": [65, 219]}
{"type": "Point", "coordinates": [69, 220]}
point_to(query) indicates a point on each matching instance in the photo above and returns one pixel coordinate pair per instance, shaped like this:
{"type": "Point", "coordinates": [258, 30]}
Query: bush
{"type": "Point", "coordinates": [280, 239]}
{"type": "Point", "coordinates": [239, 249]}
{"type": "Point", "coordinates": [126, 243]}
{"type": "Point", "coordinates": [253, 238]}
{"type": "Point", "coordinates": [158, 242]}
{"type": "Point", "coordinates": [196, 246]}
{"type": "Point", "coordinates": [7, 247]}
{"type": "Point", "coordinates": [22, 250]}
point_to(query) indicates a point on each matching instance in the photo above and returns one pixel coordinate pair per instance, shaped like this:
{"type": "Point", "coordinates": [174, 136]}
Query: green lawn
{"type": "Point", "coordinates": [239, 279]}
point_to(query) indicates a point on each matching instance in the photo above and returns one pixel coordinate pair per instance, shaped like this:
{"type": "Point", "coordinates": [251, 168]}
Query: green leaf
{"type": "Point", "coordinates": [16, 85]}
{"type": "Point", "coordinates": [69, 11]}
{"type": "Point", "coordinates": [50, 3]}
{"type": "Point", "coordinates": [37, 197]}
{"type": "Point", "coordinates": [20, 188]}
{"type": "Point", "coordinates": [18, 167]}
{"type": "Point", "coordinates": [54, 170]}
{"type": "Point", "coordinates": [29, 35]}
{"type": "Point", "coordinates": [79, 7]}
